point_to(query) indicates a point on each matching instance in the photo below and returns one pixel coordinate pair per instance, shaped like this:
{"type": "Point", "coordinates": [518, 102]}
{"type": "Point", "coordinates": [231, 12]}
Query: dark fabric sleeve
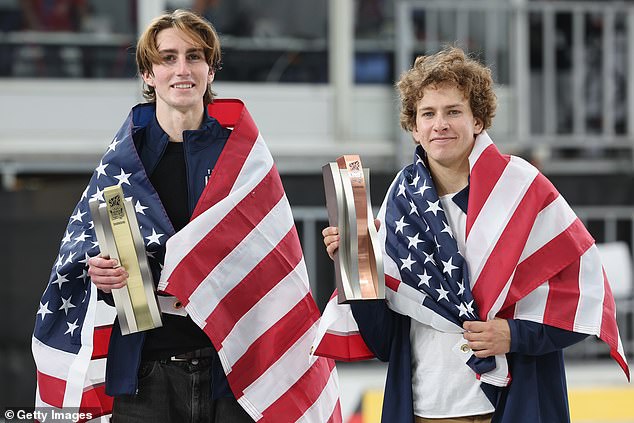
{"type": "Point", "coordinates": [377, 325]}
{"type": "Point", "coordinates": [538, 392]}
{"type": "Point", "coordinates": [386, 333]}
{"type": "Point", "coordinates": [107, 298]}
{"type": "Point", "coordinates": [532, 338]}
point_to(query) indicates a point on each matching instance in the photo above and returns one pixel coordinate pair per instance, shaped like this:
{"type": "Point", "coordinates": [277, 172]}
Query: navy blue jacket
{"type": "Point", "coordinates": [536, 394]}
{"type": "Point", "coordinates": [202, 148]}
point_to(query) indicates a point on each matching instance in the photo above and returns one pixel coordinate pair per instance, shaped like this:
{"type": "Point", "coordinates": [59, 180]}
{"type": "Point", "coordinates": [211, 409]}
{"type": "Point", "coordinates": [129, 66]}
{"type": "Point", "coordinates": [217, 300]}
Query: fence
{"type": "Point", "coordinates": [561, 67]}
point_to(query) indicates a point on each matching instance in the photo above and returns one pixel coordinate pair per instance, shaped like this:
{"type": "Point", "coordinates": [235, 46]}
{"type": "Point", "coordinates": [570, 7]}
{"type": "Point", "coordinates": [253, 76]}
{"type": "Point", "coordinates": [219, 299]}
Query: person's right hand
{"type": "Point", "coordinates": [105, 275]}
{"type": "Point", "coordinates": [331, 240]}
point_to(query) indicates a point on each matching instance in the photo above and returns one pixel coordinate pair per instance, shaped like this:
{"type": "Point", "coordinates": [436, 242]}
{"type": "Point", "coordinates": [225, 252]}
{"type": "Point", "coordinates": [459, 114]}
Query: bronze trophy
{"type": "Point", "coordinates": [119, 237]}
{"type": "Point", "coordinates": [358, 260]}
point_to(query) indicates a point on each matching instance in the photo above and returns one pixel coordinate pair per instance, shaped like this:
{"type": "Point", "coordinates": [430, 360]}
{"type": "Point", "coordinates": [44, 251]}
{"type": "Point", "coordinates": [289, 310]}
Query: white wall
{"type": "Point", "coordinates": [44, 120]}
{"type": "Point", "coordinates": [53, 124]}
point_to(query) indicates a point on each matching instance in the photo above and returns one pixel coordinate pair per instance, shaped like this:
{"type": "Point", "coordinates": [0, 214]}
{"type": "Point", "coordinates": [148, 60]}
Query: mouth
{"type": "Point", "coordinates": [442, 140]}
{"type": "Point", "coordinates": [183, 85]}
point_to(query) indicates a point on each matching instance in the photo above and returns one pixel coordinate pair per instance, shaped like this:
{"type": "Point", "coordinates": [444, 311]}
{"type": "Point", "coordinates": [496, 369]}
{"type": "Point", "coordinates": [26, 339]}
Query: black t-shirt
{"type": "Point", "coordinates": [178, 334]}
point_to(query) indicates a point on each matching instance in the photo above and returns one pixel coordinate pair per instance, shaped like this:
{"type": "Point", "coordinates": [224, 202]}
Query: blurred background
{"type": "Point", "coordinates": [317, 76]}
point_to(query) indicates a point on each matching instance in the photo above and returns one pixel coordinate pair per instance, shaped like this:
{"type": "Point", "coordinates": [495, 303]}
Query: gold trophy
{"type": "Point", "coordinates": [119, 238]}
{"type": "Point", "coordinates": [358, 260]}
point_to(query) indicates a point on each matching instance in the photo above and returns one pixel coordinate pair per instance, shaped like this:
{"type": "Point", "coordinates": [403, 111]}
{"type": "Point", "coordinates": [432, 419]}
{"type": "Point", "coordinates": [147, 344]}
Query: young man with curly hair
{"type": "Point", "coordinates": [475, 274]}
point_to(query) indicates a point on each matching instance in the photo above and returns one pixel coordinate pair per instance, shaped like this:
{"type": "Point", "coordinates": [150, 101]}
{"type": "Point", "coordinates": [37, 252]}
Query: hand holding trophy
{"type": "Point", "coordinates": [118, 235]}
{"type": "Point", "coordinates": [358, 260]}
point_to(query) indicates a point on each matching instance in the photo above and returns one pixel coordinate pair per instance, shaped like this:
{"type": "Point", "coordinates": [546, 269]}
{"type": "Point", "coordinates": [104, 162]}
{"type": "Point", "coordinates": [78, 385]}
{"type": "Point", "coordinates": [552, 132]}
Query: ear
{"type": "Point", "coordinates": [479, 126]}
{"type": "Point", "coordinates": [148, 79]}
{"type": "Point", "coordinates": [210, 77]}
{"type": "Point", "coordinates": [416, 135]}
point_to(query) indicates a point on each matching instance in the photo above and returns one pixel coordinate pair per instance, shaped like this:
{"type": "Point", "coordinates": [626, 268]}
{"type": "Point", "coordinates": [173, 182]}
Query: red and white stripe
{"type": "Point", "coordinates": [338, 334]}
{"type": "Point", "coordinates": [239, 270]}
{"type": "Point", "coordinates": [77, 381]}
{"type": "Point", "coordinates": [529, 258]}
{"type": "Point", "coordinates": [529, 255]}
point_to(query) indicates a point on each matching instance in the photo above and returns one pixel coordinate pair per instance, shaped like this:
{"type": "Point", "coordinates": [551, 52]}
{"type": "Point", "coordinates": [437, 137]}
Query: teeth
{"type": "Point", "coordinates": [183, 85]}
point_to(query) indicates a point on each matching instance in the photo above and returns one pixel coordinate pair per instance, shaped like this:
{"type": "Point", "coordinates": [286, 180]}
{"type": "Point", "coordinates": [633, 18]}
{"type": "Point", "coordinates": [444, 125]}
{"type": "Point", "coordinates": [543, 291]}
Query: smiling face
{"type": "Point", "coordinates": [446, 127]}
{"type": "Point", "coordinates": [182, 76]}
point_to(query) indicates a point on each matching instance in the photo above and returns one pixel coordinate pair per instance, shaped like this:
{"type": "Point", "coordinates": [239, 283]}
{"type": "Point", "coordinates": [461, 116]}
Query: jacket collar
{"type": "Point", "coordinates": [144, 117]}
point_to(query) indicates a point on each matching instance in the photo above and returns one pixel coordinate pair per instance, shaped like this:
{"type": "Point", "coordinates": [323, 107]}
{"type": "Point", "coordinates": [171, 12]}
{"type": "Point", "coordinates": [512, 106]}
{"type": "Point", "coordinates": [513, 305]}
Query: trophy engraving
{"type": "Point", "coordinates": [118, 235]}
{"type": "Point", "coordinates": [358, 260]}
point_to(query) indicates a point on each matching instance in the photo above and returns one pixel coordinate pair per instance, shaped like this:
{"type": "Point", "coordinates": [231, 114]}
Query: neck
{"type": "Point", "coordinates": [449, 180]}
{"type": "Point", "coordinates": [174, 122]}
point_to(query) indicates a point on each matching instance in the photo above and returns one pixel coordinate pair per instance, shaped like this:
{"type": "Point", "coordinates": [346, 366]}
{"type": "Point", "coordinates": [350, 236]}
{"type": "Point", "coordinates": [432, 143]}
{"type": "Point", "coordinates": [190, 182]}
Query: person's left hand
{"type": "Point", "coordinates": [488, 338]}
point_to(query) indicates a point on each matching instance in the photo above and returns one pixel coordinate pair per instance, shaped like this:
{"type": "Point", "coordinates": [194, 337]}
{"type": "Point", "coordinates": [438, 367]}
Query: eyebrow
{"type": "Point", "coordinates": [173, 50]}
{"type": "Point", "coordinates": [449, 106]}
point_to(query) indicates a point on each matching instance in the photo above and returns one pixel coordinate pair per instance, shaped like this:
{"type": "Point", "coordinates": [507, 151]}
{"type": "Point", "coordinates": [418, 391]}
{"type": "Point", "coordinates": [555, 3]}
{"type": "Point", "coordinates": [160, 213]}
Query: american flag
{"type": "Point", "coordinates": [72, 328]}
{"type": "Point", "coordinates": [239, 270]}
{"type": "Point", "coordinates": [527, 256]}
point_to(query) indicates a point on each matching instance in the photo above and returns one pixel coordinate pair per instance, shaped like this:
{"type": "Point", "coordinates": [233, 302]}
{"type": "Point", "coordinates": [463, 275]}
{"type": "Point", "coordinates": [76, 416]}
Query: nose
{"type": "Point", "coordinates": [182, 66]}
{"type": "Point", "coordinates": [440, 123]}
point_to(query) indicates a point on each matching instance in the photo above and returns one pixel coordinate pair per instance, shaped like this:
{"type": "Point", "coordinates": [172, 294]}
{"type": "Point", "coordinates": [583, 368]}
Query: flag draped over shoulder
{"type": "Point", "coordinates": [239, 270]}
{"type": "Point", "coordinates": [72, 328]}
{"type": "Point", "coordinates": [527, 256]}
{"type": "Point", "coordinates": [244, 282]}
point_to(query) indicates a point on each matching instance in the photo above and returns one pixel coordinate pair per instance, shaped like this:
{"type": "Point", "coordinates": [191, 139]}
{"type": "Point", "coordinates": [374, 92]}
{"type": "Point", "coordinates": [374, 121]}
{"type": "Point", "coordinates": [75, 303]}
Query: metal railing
{"type": "Point", "coordinates": [606, 224]}
{"type": "Point", "coordinates": [561, 65]}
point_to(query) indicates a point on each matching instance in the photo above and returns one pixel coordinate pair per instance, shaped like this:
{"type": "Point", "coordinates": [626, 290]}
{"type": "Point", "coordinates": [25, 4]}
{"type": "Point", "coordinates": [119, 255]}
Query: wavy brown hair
{"type": "Point", "coordinates": [449, 66]}
{"type": "Point", "coordinates": [201, 33]}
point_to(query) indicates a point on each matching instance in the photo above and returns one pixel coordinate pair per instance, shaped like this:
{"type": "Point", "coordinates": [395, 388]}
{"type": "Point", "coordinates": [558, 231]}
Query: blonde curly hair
{"type": "Point", "coordinates": [449, 66]}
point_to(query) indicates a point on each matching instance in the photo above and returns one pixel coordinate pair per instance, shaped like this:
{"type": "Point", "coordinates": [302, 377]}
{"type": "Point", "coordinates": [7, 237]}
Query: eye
{"type": "Point", "coordinates": [454, 112]}
{"type": "Point", "coordinates": [194, 57]}
{"type": "Point", "coordinates": [427, 114]}
{"type": "Point", "coordinates": [168, 58]}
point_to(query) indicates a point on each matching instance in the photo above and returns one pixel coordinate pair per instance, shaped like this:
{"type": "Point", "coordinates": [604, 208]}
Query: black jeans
{"type": "Point", "coordinates": [179, 392]}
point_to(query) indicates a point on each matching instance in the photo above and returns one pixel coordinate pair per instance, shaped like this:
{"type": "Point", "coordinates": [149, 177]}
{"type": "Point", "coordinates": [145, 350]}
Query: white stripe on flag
{"type": "Point", "coordinates": [496, 213]}
{"type": "Point", "coordinates": [79, 368]}
{"type": "Point", "coordinates": [51, 361]}
{"type": "Point", "coordinates": [590, 307]}
{"type": "Point", "coordinates": [390, 268]}
{"type": "Point", "coordinates": [336, 318]}
{"type": "Point", "coordinates": [257, 165]}
{"type": "Point", "coordinates": [344, 322]}
{"type": "Point", "coordinates": [499, 302]}
{"type": "Point", "coordinates": [550, 222]}
{"type": "Point", "coordinates": [181, 243]}
{"type": "Point", "coordinates": [96, 372]}
{"type": "Point", "coordinates": [481, 144]}
{"type": "Point", "coordinates": [620, 348]}
{"type": "Point", "coordinates": [403, 303]}
{"type": "Point", "coordinates": [284, 373]}
{"type": "Point", "coordinates": [498, 376]}
{"type": "Point", "coordinates": [105, 314]}
{"type": "Point", "coordinates": [240, 261]}
{"type": "Point", "coordinates": [262, 316]}
{"type": "Point", "coordinates": [533, 306]}
{"type": "Point", "coordinates": [323, 407]}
